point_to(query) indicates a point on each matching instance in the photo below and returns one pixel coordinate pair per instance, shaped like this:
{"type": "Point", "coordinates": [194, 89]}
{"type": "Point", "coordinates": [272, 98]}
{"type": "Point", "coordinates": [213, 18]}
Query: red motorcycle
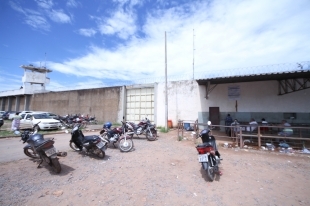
{"type": "Point", "coordinates": [143, 128]}
{"type": "Point", "coordinates": [208, 155]}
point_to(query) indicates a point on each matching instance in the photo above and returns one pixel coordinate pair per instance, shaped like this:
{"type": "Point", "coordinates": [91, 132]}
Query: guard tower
{"type": "Point", "coordinates": [35, 78]}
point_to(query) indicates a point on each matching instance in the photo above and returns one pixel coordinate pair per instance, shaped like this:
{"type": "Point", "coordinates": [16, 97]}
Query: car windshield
{"type": "Point", "coordinates": [41, 116]}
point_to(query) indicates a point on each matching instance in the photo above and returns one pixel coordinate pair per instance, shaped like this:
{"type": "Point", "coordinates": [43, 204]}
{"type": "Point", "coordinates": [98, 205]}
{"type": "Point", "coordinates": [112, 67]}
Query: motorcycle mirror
{"type": "Point", "coordinates": [209, 123]}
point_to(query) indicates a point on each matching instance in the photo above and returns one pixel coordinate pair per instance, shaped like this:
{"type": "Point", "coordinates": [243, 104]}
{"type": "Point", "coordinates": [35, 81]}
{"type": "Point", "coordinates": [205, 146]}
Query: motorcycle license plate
{"type": "Point", "coordinates": [203, 158]}
{"type": "Point", "coordinates": [100, 145]}
{"type": "Point", "coordinates": [49, 152]}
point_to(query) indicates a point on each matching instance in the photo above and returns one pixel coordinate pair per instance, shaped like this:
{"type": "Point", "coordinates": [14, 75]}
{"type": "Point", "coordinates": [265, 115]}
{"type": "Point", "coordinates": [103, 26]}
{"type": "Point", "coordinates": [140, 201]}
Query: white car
{"type": "Point", "coordinates": [46, 122]}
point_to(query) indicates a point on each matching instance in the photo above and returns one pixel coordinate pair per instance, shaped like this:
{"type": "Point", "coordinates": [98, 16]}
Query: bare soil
{"type": "Point", "coordinates": [162, 172]}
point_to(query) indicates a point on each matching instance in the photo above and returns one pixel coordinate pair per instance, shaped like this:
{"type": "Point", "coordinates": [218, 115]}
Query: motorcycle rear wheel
{"type": "Point", "coordinates": [55, 165]}
{"type": "Point", "coordinates": [153, 136]}
{"type": "Point", "coordinates": [210, 173]}
{"type": "Point", "coordinates": [99, 153]}
{"type": "Point", "coordinates": [125, 146]}
{"type": "Point", "coordinates": [74, 147]}
{"type": "Point", "coordinates": [30, 153]}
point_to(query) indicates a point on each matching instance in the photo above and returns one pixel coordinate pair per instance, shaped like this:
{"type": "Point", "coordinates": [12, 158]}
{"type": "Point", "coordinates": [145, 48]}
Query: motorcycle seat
{"type": "Point", "coordinates": [89, 138]}
{"type": "Point", "coordinates": [40, 142]}
{"type": "Point", "coordinates": [204, 144]}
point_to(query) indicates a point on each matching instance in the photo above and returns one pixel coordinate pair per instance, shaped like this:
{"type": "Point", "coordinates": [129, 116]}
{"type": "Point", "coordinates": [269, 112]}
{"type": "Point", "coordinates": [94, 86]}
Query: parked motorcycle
{"type": "Point", "coordinates": [38, 147]}
{"type": "Point", "coordinates": [208, 155]}
{"type": "Point", "coordinates": [143, 128]}
{"type": "Point", "coordinates": [117, 135]}
{"type": "Point", "coordinates": [92, 144]}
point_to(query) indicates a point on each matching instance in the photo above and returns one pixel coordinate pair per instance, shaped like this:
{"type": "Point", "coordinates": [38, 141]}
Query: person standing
{"type": "Point", "coordinates": [16, 122]}
{"type": "Point", "coordinates": [228, 121]}
{"type": "Point", "coordinates": [236, 129]}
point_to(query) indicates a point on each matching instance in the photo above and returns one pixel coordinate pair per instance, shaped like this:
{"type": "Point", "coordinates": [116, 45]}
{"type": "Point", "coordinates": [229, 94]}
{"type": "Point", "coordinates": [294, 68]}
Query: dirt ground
{"type": "Point", "coordinates": [162, 172]}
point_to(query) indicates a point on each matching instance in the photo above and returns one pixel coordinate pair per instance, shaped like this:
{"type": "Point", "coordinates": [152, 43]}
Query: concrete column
{"type": "Point", "coordinates": [9, 103]}
{"type": "Point", "coordinates": [27, 102]}
{"type": "Point", "coordinates": [17, 103]}
{"type": "Point", "coordinates": [2, 108]}
{"type": "Point", "coordinates": [124, 102]}
{"type": "Point", "coordinates": [155, 101]}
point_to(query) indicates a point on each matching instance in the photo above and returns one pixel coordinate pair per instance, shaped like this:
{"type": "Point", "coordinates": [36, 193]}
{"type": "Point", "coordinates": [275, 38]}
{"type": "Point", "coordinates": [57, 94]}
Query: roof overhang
{"type": "Point", "coordinates": [256, 77]}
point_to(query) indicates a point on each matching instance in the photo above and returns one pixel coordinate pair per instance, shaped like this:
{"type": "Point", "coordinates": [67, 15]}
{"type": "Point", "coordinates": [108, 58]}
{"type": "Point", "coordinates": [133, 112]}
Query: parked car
{"type": "Point", "coordinates": [1, 121]}
{"type": "Point", "coordinates": [46, 122]}
{"type": "Point", "coordinates": [52, 115]}
{"type": "Point", "coordinates": [11, 115]}
{"type": "Point", "coordinates": [1, 113]}
{"type": "Point", "coordinates": [7, 114]}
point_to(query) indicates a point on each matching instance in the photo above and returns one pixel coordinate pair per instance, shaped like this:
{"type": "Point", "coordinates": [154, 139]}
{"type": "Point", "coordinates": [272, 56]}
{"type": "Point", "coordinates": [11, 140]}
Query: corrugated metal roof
{"type": "Point", "coordinates": [256, 77]}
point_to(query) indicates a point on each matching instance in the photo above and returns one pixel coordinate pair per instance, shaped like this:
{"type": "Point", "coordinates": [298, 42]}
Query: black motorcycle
{"type": "Point", "coordinates": [208, 155]}
{"type": "Point", "coordinates": [92, 144]}
{"type": "Point", "coordinates": [38, 147]}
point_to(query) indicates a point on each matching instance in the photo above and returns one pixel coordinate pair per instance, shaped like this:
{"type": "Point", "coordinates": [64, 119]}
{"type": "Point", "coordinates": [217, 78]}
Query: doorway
{"type": "Point", "coordinates": [214, 115]}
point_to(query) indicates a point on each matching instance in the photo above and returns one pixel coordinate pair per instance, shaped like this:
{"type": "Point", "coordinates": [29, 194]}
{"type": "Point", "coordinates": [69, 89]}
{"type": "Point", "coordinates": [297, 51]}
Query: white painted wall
{"type": "Point", "coordinates": [256, 97]}
{"type": "Point", "coordinates": [183, 101]}
{"type": "Point", "coordinates": [186, 99]}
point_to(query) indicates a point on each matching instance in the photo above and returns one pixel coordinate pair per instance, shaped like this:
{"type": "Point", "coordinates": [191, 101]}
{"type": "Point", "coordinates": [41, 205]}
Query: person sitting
{"type": "Point", "coordinates": [264, 122]}
{"type": "Point", "coordinates": [285, 131]}
{"type": "Point", "coordinates": [253, 125]}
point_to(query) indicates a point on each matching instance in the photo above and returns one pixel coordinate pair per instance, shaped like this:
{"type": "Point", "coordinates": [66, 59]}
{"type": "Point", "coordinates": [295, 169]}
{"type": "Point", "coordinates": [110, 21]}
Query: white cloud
{"type": "Point", "coordinates": [72, 3]}
{"type": "Point", "coordinates": [45, 4]}
{"type": "Point", "coordinates": [228, 35]}
{"type": "Point", "coordinates": [59, 16]}
{"type": "Point", "coordinates": [121, 24]}
{"type": "Point", "coordinates": [87, 32]}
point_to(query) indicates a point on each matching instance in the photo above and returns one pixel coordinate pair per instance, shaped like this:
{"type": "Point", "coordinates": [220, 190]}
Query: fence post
{"type": "Point", "coordinates": [258, 138]}
{"type": "Point", "coordinates": [240, 135]}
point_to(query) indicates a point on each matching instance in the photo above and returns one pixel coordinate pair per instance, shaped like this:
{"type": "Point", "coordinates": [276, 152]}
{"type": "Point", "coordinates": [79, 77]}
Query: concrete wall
{"type": "Point", "coordinates": [103, 103]}
{"type": "Point", "coordinates": [183, 101]}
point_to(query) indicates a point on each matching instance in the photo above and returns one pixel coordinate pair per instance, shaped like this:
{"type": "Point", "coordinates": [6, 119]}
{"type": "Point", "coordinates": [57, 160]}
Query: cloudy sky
{"type": "Point", "coordinates": [115, 42]}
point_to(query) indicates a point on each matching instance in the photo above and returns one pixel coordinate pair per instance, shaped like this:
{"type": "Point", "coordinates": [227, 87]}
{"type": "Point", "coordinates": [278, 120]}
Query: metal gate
{"type": "Point", "coordinates": [140, 104]}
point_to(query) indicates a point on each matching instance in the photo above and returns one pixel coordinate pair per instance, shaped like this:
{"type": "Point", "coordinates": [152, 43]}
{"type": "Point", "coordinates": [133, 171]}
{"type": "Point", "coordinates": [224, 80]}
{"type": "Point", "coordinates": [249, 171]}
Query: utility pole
{"type": "Point", "coordinates": [166, 94]}
{"type": "Point", "coordinates": [193, 54]}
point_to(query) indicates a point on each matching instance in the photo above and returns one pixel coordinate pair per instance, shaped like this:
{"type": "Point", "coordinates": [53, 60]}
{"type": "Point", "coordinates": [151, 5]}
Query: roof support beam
{"type": "Point", "coordinates": [209, 88]}
{"type": "Point", "coordinates": [287, 86]}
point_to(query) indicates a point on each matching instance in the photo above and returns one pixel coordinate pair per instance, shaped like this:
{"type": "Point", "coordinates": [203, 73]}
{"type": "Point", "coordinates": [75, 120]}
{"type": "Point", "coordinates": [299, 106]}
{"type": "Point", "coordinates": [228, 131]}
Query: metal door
{"type": "Point", "coordinates": [214, 115]}
{"type": "Point", "coordinates": [140, 104]}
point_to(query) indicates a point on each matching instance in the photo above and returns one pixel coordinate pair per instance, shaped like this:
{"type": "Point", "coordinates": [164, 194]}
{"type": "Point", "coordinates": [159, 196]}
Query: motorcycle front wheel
{"type": "Point", "coordinates": [30, 153]}
{"type": "Point", "coordinates": [151, 135]}
{"type": "Point", "coordinates": [55, 165]}
{"type": "Point", "coordinates": [125, 145]}
{"type": "Point", "coordinates": [74, 147]}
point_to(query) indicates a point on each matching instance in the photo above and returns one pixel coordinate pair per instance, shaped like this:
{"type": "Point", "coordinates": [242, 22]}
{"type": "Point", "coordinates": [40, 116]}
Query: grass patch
{"type": "Point", "coordinates": [163, 129]}
{"type": "Point", "coordinates": [9, 133]}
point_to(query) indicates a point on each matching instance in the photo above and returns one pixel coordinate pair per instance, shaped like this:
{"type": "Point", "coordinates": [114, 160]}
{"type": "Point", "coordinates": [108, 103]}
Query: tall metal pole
{"type": "Point", "coordinates": [193, 54]}
{"type": "Point", "coordinates": [166, 94]}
